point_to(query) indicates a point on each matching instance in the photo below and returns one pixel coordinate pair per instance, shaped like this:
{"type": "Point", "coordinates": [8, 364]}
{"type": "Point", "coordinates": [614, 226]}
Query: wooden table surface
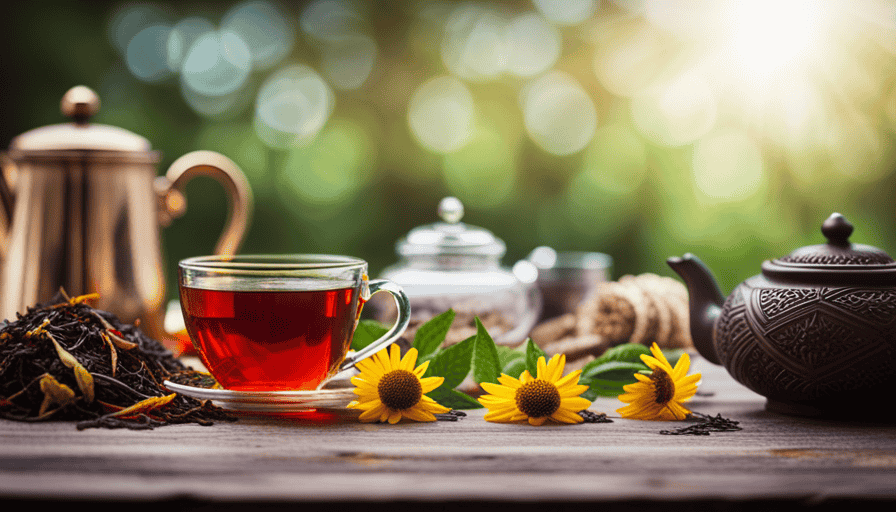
{"type": "Point", "coordinates": [288, 461]}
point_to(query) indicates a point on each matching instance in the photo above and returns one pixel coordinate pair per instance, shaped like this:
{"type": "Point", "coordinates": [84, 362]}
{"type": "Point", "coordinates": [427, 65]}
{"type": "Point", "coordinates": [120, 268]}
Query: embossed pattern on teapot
{"type": "Point", "coordinates": [814, 333]}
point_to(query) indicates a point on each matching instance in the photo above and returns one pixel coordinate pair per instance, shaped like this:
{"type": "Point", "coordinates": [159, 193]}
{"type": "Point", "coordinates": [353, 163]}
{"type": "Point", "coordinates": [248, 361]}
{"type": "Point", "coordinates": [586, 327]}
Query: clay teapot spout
{"type": "Point", "coordinates": [706, 302]}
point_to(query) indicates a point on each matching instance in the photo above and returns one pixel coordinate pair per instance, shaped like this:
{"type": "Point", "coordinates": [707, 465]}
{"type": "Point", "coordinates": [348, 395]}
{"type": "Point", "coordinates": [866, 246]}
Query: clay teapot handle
{"type": "Point", "coordinates": [173, 204]}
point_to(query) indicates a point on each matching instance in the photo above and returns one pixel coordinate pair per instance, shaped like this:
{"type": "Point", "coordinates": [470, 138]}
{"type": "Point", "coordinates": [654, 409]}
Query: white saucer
{"type": "Point", "coordinates": [269, 401]}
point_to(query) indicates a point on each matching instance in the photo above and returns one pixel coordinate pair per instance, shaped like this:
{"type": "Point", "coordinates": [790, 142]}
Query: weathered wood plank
{"type": "Point", "coordinates": [264, 458]}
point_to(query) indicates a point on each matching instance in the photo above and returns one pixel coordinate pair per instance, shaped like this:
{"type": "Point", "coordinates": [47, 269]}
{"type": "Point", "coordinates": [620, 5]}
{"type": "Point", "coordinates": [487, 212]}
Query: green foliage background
{"type": "Point", "coordinates": [50, 46]}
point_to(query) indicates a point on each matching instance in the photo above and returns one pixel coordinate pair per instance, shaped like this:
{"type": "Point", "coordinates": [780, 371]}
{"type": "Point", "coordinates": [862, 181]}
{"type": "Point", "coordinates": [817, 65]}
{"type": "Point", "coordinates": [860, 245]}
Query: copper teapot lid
{"type": "Point", "coordinates": [79, 104]}
{"type": "Point", "coordinates": [837, 260]}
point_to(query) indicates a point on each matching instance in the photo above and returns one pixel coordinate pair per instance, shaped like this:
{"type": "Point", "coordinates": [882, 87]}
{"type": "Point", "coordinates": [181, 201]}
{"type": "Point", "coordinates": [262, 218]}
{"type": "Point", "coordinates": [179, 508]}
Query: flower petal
{"type": "Point", "coordinates": [430, 383]}
{"type": "Point", "coordinates": [421, 369]}
{"type": "Point", "coordinates": [575, 404]}
{"type": "Point", "coordinates": [498, 390]}
{"type": "Point", "coordinates": [418, 414]}
{"type": "Point", "coordinates": [555, 367]}
{"type": "Point", "coordinates": [563, 416]}
{"type": "Point", "coordinates": [537, 421]}
{"type": "Point", "coordinates": [394, 359]}
{"type": "Point", "coordinates": [571, 379]}
{"type": "Point", "coordinates": [509, 381]}
{"type": "Point", "coordinates": [409, 360]}
{"type": "Point", "coordinates": [681, 367]}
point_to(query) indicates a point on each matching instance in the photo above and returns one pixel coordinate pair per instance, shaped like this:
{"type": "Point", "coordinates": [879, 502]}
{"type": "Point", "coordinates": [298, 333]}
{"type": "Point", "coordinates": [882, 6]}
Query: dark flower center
{"type": "Point", "coordinates": [662, 382]}
{"type": "Point", "coordinates": [538, 398]}
{"type": "Point", "coordinates": [400, 390]}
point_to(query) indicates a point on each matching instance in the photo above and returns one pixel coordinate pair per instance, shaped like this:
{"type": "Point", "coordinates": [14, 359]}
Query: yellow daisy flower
{"type": "Point", "coordinates": [659, 396]}
{"type": "Point", "coordinates": [389, 389]}
{"type": "Point", "coordinates": [537, 399]}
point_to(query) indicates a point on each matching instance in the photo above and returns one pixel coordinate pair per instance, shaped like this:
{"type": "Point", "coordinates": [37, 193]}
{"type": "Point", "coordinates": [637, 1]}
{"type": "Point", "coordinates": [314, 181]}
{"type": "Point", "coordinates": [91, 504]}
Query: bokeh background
{"type": "Point", "coordinates": [641, 129]}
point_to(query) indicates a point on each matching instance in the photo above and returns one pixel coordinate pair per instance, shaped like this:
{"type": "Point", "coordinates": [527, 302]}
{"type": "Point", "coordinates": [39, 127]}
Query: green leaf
{"type": "Point", "coordinates": [367, 332]}
{"type": "Point", "coordinates": [601, 387]}
{"type": "Point", "coordinates": [613, 370]}
{"type": "Point", "coordinates": [486, 366]}
{"type": "Point", "coordinates": [453, 363]}
{"type": "Point", "coordinates": [672, 355]}
{"type": "Point", "coordinates": [431, 335]}
{"type": "Point", "coordinates": [630, 352]}
{"type": "Point", "coordinates": [515, 368]}
{"type": "Point", "coordinates": [533, 352]}
{"type": "Point", "coordinates": [506, 355]}
{"type": "Point", "coordinates": [453, 398]}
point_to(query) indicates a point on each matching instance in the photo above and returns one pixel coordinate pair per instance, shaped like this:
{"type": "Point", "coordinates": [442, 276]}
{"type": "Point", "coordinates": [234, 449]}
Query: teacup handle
{"type": "Point", "coordinates": [227, 173]}
{"type": "Point", "coordinates": [401, 324]}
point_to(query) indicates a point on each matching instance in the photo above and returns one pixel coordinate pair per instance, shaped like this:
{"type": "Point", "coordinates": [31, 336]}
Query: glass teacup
{"type": "Point", "coordinates": [272, 323]}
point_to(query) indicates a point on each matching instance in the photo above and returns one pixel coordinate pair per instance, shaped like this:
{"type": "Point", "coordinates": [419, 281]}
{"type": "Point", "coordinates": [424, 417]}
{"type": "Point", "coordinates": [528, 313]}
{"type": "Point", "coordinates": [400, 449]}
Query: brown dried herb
{"type": "Point", "coordinates": [68, 361]}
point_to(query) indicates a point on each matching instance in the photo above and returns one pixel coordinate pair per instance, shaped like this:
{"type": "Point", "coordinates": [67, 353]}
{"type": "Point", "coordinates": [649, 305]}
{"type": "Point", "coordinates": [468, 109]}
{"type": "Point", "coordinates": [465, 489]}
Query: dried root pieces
{"type": "Point", "coordinates": [643, 309]}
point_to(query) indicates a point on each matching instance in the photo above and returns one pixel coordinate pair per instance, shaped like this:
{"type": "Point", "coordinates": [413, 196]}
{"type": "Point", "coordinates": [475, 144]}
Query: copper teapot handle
{"type": "Point", "coordinates": [173, 204]}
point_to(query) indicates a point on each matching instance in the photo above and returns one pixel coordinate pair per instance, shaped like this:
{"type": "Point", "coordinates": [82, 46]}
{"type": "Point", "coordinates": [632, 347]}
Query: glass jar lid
{"type": "Point", "coordinates": [79, 104]}
{"type": "Point", "coordinates": [838, 259]}
{"type": "Point", "coordinates": [451, 236]}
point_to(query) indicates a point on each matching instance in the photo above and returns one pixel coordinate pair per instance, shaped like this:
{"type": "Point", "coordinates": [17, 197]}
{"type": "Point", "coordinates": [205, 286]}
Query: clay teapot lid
{"type": "Point", "coordinates": [838, 260]}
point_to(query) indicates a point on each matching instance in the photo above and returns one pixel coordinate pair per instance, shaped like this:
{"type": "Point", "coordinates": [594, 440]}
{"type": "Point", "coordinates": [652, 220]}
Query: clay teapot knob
{"type": "Point", "coordinates": [837, 229]}
{"type": "Point", "coordinates": [80, 103]}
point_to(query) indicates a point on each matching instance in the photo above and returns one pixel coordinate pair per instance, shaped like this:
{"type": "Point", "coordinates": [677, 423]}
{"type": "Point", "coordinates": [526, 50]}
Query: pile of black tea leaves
{"type": "Point", "coordinates": [67, 361]}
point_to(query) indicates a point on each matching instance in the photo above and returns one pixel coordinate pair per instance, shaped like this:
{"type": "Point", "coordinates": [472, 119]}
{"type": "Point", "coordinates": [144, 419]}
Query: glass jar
{"type": "Point", "coordinates": [450, 264]}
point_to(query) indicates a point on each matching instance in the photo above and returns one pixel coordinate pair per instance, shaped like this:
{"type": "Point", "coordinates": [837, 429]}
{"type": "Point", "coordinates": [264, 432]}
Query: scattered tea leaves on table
{"type": "Point", "coordinates": [706, 425]}
{"type": "Point", "coordinates": [61, 361]}
{"type": "Point", "coordinates": [594, 417]}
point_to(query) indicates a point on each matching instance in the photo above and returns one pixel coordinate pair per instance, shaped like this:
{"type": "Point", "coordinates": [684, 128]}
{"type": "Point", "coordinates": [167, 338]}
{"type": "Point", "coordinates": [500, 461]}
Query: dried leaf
{"type": "Point", "coordinates": [144, 406]}
{"type": "Point", "coordinates": [83, 298]}
{"type": "Point", "coordinates": [55, 393]}
{"type": "Point", "coordinates": [39, 329]}
{"type": "Point", "coordinates": [119, 341]}
{"type": "Point", "coordinates": [113, 354]}
{"type": "Point", "coordinates": [84, 378]}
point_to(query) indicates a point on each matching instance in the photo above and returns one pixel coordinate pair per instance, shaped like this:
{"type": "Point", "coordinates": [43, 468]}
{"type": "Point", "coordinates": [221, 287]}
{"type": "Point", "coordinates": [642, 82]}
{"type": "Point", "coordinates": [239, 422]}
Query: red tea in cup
{"type": "Point", "coordinates": [275, 323]}
{"type": "Point", "coordinates": [262, 340]}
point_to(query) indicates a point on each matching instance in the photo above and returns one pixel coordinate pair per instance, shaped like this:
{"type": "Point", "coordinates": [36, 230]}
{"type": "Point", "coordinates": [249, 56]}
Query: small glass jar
{"type": "Point", "coordinates": [450, 264]}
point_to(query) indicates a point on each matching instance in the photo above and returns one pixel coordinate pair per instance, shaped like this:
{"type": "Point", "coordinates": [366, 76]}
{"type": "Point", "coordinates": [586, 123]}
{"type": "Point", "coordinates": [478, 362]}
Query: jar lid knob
{"type": "Point", "coordinates": [837, 229]}
{"type": "Point", "coordinates": [80, 103]}
{"type": "Point", "coordinates": [451, 210]}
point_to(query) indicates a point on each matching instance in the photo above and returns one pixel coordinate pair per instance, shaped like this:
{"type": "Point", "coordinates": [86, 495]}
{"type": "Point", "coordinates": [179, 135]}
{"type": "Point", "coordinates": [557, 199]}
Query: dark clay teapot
{"type": "Point", "coordinates": [815, 333]}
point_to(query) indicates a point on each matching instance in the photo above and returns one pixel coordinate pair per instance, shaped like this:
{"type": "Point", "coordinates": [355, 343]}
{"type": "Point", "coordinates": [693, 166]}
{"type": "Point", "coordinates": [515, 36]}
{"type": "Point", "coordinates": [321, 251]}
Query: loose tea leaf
{"type": "Point", "coordinates": [706, 425]}
{"type": "Point", "coordinates": [594, 417]}
{"type": "Point", "coordinates": [61, 361]}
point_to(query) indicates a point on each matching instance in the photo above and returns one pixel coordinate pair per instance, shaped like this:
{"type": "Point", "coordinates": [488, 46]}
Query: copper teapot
{"type": "Point", "coordinates": [815, 332]}
{"type": "Point", "coordinates": [81, 210]}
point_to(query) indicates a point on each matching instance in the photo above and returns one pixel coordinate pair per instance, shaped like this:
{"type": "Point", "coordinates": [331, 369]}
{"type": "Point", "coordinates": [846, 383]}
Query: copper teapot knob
{"type": "Point", "coordinates": [80, 103]}
{"type": "Point", "coordinates": [837, 229]}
